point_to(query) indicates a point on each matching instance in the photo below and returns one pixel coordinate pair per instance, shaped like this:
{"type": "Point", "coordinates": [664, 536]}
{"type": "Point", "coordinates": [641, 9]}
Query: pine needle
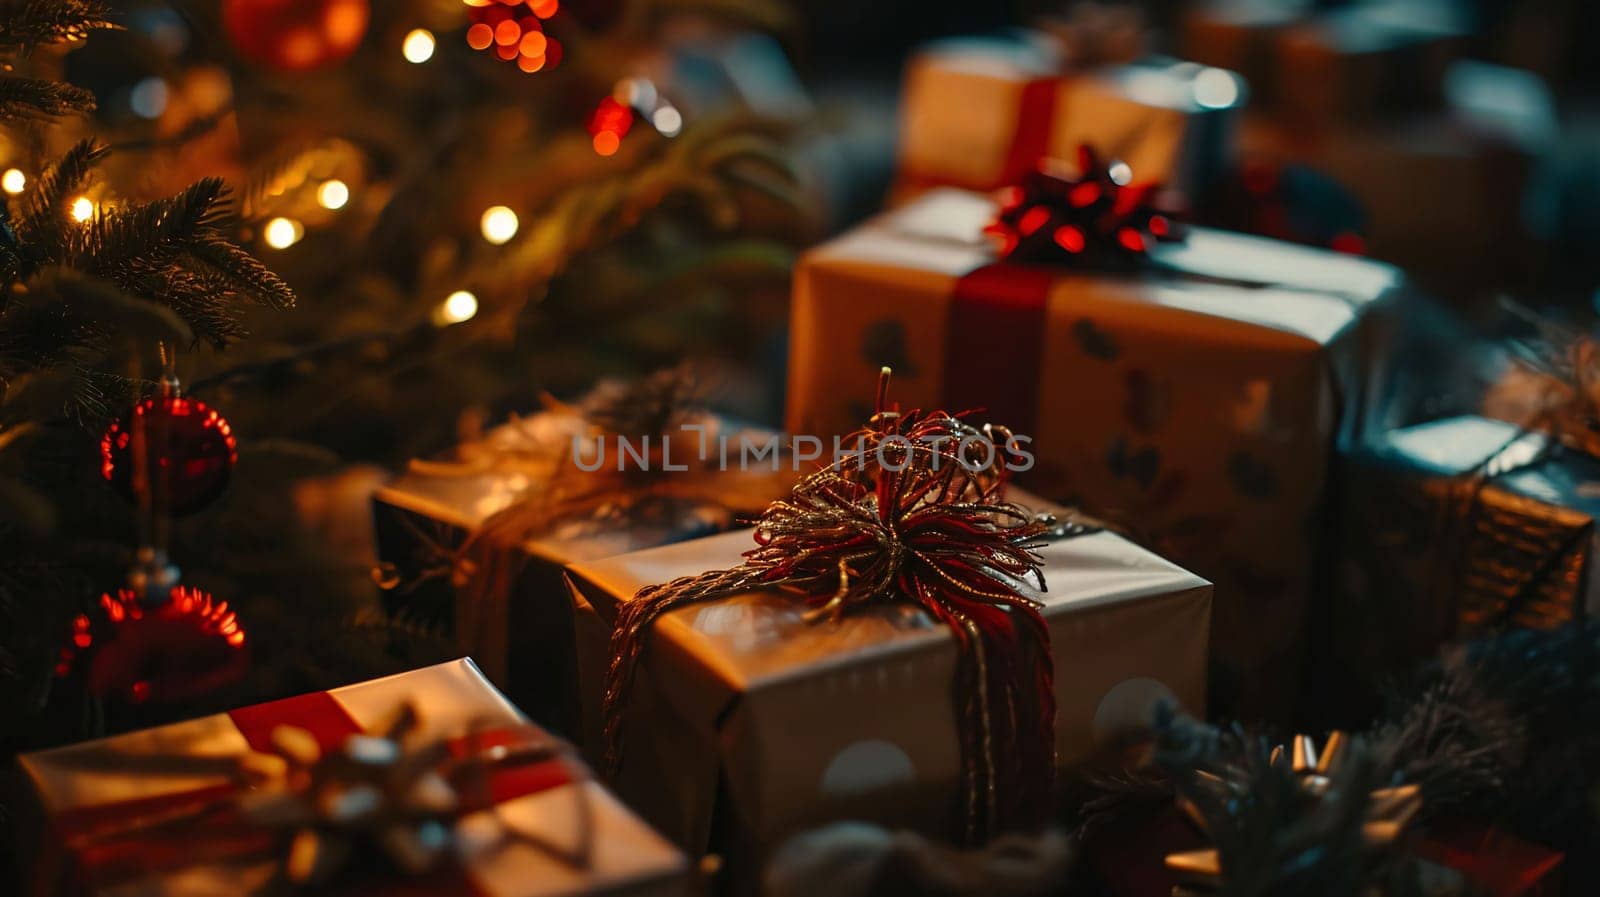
{"type": "Point", "coordinates": [45, 209]}
{"type": "Point", "coordinates": [25, 99]}
{"type": "Point", "coordinates": [27, 24]}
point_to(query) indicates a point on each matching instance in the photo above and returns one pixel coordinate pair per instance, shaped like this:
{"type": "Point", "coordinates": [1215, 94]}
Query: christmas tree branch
{"type": "Point", "coordinates": [26, 24]}
{"type": "Point", "coordinates": [45, 208]}
{"type": "Point", "coordinates": [30, 99]}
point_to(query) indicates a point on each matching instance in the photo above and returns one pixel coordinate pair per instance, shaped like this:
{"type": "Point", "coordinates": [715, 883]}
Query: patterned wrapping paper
{"type": "Point", "coordinates": [120, 776]}
{"type": "Point", "coordinates": [1453, 529]}
{"type": "Point", "coordinates": [1199, 410]}
{"type": "Point", "coordinates": [977, 113]}
{"type": "Point", "coordinates": [507, 606]}
{"type": "Point", "coordinates": [747, 725]}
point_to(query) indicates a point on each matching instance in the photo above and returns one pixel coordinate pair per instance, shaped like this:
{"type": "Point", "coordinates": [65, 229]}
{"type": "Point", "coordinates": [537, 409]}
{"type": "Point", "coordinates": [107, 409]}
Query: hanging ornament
{"type": "Point", "coordinates": [190, 452]}
{"type": "Point", "coordinates": [295, 35]}
{"type": "Point", "coordinates": [180, 646]}
{"type": "Point", "coordinates": [1100, 218]}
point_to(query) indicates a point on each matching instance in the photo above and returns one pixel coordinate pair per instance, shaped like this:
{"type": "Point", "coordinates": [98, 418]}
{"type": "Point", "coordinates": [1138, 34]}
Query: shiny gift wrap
{"type": "Point", "coordinates": [1198, 406]}
{"type": "Point", "coordinates": [502, 596]}
{"type": "Point", "coordinates": [141, 781]}
{"type": "Point", "coordinates": [978, 113]}
{"type": "Point", "coordinates": [1453, 529]}
{"type": "Point", "coordinates": [747, 724]}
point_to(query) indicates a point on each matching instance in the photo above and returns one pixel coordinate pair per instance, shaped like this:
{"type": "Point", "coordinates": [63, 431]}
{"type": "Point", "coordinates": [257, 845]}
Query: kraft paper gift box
{"type": "Point", "coordinates": [1452, 529]}
{"type": "Point", "coordinates": [1326, 67]}
{"type": "Point", "coordinates": [159, 774]}
{"type": "Point", "coordinates": [978, 113]}
{"type": "Point", "coordinates": [1200, 409]}
{"type": "Point", "coordinates": [504, 601]}
{"type": "Point", "coordinates": [747, 725]}
{"type": "Point", "coordinates": [1443, 190]}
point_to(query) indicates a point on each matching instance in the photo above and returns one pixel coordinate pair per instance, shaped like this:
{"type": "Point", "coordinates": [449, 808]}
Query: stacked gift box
{"type": "Point", "coordinates": [1226, 509]}
{"type": "Point", "coordinates": [1198, 402]}
{"type": "Point", "coordinates": [1378, 96]}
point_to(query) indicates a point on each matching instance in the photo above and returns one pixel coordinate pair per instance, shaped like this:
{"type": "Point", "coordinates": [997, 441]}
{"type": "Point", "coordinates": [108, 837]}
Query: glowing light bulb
{"type": "Point", "coordinates": [13, 181]}
{"type": "Point", "coordinates": [668, 121]}
{"type": "Point", "coordinates": [333, 194]}
{"type": "Point", "coordinates": [82, 208]}
{"type": "Point", "coordinates": [457, 307]}
{"type": "Point", "coordinates": [1215, 88]}
{"type": "Point", "coordinates": [418, 46]}
{"type": "Point", "coordinates": [499, 224]}
{"type": "Point", "coordinates": [281, 233]}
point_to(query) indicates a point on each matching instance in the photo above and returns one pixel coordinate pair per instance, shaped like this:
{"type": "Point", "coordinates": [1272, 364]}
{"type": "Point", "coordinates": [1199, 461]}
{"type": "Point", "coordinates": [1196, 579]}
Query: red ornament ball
{"type": "Point", "coordinates": [190, 452]}
{"type": "Point", "coordinates": [295, 35]}
{"type": "Point", "coordinates": [182, 648]}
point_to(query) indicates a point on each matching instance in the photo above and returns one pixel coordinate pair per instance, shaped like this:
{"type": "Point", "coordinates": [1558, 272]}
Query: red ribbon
{"type": "Point", "coordinates": [220, 833]}
{"type": "Point", "coordinates": [1030, 142]}
{"type": "Point", "coordinates": [1499, 863]}
{"type": "Point", "coordinates": [994, 345]}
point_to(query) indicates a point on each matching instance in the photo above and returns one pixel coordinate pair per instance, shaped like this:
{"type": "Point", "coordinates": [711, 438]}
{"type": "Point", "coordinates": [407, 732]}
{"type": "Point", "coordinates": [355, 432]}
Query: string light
{"type": "Point", "coordinates": [148, 99]}
{"type": "Point", "coordinates": [498, 224]}
{"type": "Point", "coordinates": [82, 209]}
{"type": "Point", "coordinates": [13, 181]}
{"type": "Point", "coordinates": [418, 46]}
{"type": "Point", "coordinates": [668, 120]}
{"type": "Point", "coordinates": [501, 26]}
{"type": "Point", "coordinates": [457, 307]}
{"type": "Point", "coordinates": [281, 233]}
{"type": "Point", "coordinates": [333, 194]}
{"type": "Point", "coordinates": [1215, 88]}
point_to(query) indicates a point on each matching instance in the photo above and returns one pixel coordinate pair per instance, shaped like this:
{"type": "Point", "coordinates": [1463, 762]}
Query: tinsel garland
{"type": "Point", "coordinates": [906, 521]}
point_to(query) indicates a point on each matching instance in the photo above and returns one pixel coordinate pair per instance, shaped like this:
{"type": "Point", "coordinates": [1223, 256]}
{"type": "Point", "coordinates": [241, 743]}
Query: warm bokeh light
{"type": "Point", "coordinates": [418, 46]}
{"type": "Point", "coordinates": [499, 224]}
{"type": "Point", "coordinates": [507, 33]}
{"type": "Point", "coordinates": [457, 307]}
{"type": "Point", "coordinates": [533, 44]}
{"type": "Point", "coordinates": [333, 194]}
{"type": "Point", "coordinates": [13, 181]}
{"type": "Point", "coordinates": [544, 9]}
{"type": "Point", "coordinates": [480, 36]}
{"type": "Point", "coordinates": [607, 142]}
{"type": "Point", "coordinates": [281, 233]}
{"type": "Point", "coordinates": [82, 208]}
{"type": "Point", "coordinates": [530, 64]}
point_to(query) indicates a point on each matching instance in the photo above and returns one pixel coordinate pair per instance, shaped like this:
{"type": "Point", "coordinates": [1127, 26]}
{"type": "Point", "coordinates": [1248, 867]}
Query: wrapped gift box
{"type": "Point", "coordinates": [1445, 190]}
{"type": "Point", "coordinates": [143, 775]}
{"type": "Point", "coordinates": [747, 725]}
{"type": "Point", "coordinates": [1451, 529]}
{"type": "Point", "coordinates": [1358, 62]}
{"type": "Point", "coordinates": [1199, 409]}
{"type": "Point", "coordinates": [979, 113]}
{"type": "Point", "coordinates": [506, 603]}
